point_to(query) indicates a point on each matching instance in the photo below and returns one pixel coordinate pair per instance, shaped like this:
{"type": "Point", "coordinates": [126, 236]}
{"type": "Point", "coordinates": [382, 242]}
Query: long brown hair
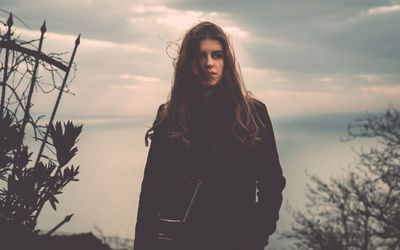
{"type": "Point", "coordinates": [247, 126]}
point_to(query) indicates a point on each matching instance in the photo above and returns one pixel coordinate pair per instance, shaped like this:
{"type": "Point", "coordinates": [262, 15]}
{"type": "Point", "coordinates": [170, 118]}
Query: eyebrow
{"type": "Point", "coordinates": [212, 52]}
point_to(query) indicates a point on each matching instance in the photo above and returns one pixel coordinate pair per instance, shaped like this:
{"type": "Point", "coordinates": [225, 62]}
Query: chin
{"type": "Point", "coordinates": [213, 83]}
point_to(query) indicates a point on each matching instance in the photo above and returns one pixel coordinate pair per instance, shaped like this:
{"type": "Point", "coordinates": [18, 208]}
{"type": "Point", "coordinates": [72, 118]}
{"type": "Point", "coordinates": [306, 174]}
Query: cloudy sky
{"type": "Point", "coordinates": [323, 59]}
{"type": "Point", "coordinates": [297, 56]}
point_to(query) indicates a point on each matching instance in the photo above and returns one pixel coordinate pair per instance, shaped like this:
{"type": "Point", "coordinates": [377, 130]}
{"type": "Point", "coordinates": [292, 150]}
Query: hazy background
{"type": "Point", "coordinates": [315, 64]}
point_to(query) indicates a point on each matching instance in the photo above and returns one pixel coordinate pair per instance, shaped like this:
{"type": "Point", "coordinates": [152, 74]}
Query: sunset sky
{"type": "Point", "coordinates": [315, 64]}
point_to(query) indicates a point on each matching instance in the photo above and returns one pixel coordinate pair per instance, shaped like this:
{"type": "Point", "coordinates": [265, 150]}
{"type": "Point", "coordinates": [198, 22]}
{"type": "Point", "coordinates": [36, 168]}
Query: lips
{"type": "Point", "coordinates": [210, 74]}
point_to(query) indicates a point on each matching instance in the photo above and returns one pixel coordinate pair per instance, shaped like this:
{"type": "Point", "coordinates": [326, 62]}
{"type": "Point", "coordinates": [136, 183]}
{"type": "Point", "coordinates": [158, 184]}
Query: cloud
{"type": "Point", "coordinates": [266, 79]}
{"type": "Point", "coordinates": [93, 44]}
{"type": "Point", "coordinates": [327, 79]}
{"type": "Point", "coordinates": [290, 103]}
{"type": "Point", "coordinates": [389, 90]}
{"type": "Point", "coordinates": [139, 78]}
{"type": "Point", "coordinates": [370, 77]}
{"type": "Point", "coordinates": [372, 12]}
{"type": "Point", "coordinates": [173, 22]}
{"type": "Point", "coordinates": [146, 9]}
{"type": "Point", "coordinates": [383, 10]}
{"type": "Point", "coordinates": [263, 75]}
{"type": "Point", "coordinates": [135, 99]}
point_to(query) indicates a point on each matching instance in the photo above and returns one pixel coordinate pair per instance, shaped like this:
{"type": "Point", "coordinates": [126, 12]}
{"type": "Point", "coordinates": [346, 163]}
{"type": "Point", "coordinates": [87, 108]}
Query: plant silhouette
{"type": "Point", "coordinates": [362, 209]}
{"type": "Point", "coordinates": [34, 155]}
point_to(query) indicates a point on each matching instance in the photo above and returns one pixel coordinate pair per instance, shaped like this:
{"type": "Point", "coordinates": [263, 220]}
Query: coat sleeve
{"type": "Point", "coordinates": [150, 195]}
{"type": "Point", "coordinates": [270, 183]}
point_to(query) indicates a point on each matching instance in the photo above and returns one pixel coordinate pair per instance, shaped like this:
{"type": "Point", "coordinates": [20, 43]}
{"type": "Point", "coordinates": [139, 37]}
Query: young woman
{"type": "Point", "coordinates": [212, 180]}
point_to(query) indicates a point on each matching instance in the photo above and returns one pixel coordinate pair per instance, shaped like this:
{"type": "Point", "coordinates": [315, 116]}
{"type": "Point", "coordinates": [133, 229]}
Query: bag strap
{"type": "Point", "coordinates": [199, 182]}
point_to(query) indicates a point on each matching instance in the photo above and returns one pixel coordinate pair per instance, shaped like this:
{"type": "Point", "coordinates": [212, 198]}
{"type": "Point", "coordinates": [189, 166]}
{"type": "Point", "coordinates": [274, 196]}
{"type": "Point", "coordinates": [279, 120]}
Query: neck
{"type": "Point", "coordinates": [208, 90]}
{"type": "Point", "coordinates": [207, 93]}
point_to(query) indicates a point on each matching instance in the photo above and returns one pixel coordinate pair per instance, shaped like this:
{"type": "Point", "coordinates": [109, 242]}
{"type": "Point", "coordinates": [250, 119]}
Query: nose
{"type": "Point", "coordinates": [209, 61]}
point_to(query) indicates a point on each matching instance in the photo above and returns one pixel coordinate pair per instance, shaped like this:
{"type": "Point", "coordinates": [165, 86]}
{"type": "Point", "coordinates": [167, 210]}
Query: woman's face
{"type": "Point", "coordinates": [211, 62]}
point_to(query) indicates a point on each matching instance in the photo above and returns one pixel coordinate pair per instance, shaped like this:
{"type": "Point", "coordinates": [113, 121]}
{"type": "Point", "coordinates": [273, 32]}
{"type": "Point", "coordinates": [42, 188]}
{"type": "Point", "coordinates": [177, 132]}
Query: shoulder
{"type": "Point", "coordinates": [161, 108]}
{"type": "Point", "coordinates": [158, 129]}
{"type": "Point", "coordinates": [161, 114]}
{"type": "Point", "coordinates": [258, 106]}
{"type": "Point", "coordinates": [261, 115]}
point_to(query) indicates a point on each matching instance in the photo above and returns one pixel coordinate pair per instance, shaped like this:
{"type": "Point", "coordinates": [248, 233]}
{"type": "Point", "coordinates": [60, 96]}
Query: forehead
{"type": "Point", "coordinates": [207, 45]}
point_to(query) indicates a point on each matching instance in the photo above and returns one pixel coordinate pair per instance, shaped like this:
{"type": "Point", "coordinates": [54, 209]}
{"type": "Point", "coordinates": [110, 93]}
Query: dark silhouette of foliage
{"type": "Point", "coordinates": [362, 209]}
{"type": "Point", "coordinates": [26, 240]}
{"type": "Point", "coordinates": [29, 180]}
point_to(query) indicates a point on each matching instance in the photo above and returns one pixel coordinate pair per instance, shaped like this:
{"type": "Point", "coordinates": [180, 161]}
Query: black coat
{"type": "Point", "coordinates": [240, 195]}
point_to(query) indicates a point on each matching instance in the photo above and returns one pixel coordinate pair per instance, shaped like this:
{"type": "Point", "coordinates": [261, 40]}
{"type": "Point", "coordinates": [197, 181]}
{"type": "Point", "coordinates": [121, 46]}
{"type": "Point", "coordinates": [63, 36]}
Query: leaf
{"type": "Point", "coordinates": [53, 200]}
{"type": "Point", "coordinates": [65, 140]}
{"type": "Point", "coordinates": [53, 204]}
{"type": "Point", "coordinates": [10, 136]}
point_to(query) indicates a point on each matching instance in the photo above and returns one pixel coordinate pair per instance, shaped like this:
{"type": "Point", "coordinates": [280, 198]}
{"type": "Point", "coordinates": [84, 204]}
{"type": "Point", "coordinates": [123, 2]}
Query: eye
{"type": "Point", "coordinates": [217, 55]}
{"type": "Point", "coordinates": [202, 55]}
